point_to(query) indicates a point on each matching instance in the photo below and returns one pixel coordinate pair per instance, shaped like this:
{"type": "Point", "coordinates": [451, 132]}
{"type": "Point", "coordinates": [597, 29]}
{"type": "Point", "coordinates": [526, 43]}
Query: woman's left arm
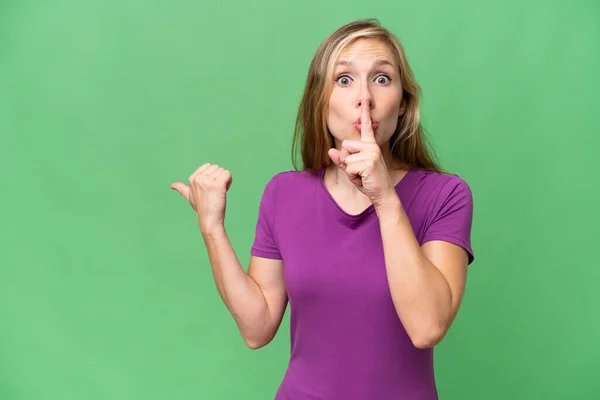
{"type": "Point", "coordinates": [426, 282]}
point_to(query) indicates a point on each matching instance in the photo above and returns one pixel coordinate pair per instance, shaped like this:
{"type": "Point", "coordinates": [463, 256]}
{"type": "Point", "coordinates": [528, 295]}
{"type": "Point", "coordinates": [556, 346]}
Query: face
{"type": "Point", "coordinates": [365, 72]}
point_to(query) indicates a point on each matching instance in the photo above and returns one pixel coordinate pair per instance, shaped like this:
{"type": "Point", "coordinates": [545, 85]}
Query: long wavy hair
{"type": "Point", "coordinates": [408, 144]}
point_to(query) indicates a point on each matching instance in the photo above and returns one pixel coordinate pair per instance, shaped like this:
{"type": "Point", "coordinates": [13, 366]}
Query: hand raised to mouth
{"type": "Point", "coordinates": [363, 161]}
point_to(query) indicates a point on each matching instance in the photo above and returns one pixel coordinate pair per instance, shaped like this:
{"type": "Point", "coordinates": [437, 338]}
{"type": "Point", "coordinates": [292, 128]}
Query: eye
{"type": "Point", "coordinates": [343, 80]}
{"type": "Point", "coordinates": [383, 79]}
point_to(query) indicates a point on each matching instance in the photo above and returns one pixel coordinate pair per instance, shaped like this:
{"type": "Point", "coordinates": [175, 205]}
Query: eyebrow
{"type": "Point", "coordinates": [377, 63]}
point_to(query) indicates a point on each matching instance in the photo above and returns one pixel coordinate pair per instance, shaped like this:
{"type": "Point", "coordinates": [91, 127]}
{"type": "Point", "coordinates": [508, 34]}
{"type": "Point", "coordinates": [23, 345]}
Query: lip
{"type": "Point", "coordinates": [358, 125]}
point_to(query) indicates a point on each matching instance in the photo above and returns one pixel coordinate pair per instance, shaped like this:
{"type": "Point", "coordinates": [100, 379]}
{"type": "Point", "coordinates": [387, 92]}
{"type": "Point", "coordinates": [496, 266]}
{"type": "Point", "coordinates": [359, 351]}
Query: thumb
{"type": "Point", "coordinates": [182, 189]}
{"type": "Point", "coordinates": [334, 154]}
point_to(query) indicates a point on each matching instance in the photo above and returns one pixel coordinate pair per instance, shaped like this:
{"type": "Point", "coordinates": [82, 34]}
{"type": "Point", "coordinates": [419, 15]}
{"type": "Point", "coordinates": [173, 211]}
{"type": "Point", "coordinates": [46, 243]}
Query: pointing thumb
{"type": "Point", "coordinates": [182, 189]}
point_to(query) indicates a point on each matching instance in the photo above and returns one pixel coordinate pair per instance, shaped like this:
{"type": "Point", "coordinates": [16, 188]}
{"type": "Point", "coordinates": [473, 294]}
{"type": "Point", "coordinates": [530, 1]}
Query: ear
{"type": "Point", "coordinates": [402, 108]}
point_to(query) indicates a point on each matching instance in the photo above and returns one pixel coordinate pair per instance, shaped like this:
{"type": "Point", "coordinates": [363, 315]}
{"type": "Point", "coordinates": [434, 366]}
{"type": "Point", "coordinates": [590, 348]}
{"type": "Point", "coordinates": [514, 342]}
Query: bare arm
{"type": "Point", "coordinates": [427, 283]}
{"type": "Point", "coordinates": [257, 299]}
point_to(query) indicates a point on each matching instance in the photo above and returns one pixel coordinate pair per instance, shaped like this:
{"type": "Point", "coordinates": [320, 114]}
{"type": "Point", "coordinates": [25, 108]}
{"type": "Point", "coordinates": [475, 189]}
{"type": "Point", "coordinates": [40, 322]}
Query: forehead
{"type": "Point", "coordinates": [366, 51]}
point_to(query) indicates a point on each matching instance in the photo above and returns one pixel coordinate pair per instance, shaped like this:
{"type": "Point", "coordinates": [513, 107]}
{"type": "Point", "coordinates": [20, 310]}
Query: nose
{"type": "Point", "coordinates": [365, 100]}
{"type": "Point", "coordinates": [364, 96]}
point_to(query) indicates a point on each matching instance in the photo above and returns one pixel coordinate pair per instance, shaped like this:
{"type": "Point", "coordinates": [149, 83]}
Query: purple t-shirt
{"type": "Point", "coordinates": [347, 341]}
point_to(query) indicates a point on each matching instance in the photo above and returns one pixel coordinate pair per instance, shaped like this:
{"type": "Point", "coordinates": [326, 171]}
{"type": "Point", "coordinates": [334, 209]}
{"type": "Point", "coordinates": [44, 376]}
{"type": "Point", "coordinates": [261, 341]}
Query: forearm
{"type": "Point", "coordinates": [420, 293]}
{"type": "Point", "coordinates": [240, 293]}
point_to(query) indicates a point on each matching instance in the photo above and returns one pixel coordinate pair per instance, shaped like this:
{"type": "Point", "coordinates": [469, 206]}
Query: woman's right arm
{"type": "Point", "coordinates": [257, 299]}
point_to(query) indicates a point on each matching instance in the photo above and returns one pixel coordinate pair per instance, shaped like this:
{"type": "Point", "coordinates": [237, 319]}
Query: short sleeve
{"type": "Point", "coordinates": [453, 216]}
{"type": "Point", "coordinates": [264, 240]}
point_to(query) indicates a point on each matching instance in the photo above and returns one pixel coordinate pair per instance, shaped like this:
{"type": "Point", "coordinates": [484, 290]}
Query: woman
{"type": "Point", "coordinates": [369, 241]}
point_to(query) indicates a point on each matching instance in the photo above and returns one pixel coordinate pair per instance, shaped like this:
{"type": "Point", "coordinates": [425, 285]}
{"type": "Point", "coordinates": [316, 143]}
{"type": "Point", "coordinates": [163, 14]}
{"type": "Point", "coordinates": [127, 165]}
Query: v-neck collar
{"type": "Point", "coordinates": [371, 208]}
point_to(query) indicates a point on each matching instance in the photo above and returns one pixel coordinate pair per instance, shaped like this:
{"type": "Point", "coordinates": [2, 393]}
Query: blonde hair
{"type": "Point", "coordinates": [407, 144]}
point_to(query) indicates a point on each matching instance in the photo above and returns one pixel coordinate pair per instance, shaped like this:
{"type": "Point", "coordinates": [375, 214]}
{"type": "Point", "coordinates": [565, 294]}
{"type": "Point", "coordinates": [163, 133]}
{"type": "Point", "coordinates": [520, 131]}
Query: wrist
{"type": "Point", "coordinates": [212, 230]}
{"type": "Point", "coordinates": [389, 203]}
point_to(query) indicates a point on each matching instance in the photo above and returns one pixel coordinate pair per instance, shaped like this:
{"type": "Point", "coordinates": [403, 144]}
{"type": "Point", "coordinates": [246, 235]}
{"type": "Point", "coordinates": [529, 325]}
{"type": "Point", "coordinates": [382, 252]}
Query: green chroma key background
{"type": "Point", "coordinates": [105, 287]}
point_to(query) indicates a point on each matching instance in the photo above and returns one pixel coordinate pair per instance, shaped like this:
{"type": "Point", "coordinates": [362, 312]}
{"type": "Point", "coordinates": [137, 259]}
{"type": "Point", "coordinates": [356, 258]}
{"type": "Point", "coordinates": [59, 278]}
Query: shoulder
{"type": "Point", "coordinates": [442, 186]}
{"type": "Point", "coordinates": [438, 195]}
{"type": "Point", "coordinates": [445, 202]}
{"type": "Point", "coordinates": [295, 177]}
{"type": "Point", "coordinates": [291, 179]}
{"type": "Point", "coordinates": [287, 190]}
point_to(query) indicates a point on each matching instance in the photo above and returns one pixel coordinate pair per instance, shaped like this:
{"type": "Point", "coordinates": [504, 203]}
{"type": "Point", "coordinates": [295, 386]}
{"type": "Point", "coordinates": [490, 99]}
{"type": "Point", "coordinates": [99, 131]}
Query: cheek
{"type": "Point", "coordinates": [390, 119]}
{"type": "Point", "coordinates": [391, 112]}
{"type": "Point", "coordinates": [334, 117]}
{"type": "Point", "coordinates": [334, 107]}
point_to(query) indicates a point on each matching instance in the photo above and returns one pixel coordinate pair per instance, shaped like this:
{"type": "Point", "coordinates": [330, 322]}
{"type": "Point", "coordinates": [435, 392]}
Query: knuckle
{"type": "Point", "coordinates": [199, 180]}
